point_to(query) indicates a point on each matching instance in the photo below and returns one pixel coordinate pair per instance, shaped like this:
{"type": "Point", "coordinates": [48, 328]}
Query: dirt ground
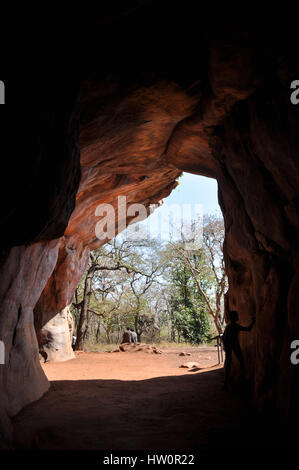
{"type": "Point", "coordinates": [130, 401]}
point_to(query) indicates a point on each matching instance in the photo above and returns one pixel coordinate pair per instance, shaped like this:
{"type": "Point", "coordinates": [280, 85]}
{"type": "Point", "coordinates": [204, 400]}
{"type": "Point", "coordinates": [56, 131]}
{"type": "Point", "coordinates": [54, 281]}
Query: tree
{"type": "Point", "coordinates": [213, 238]}
{"type": "Point", "coordinates": [103, 259]}
{"type": "Point", "coordinates": [206, 266]}
{"type": "Point", "coordinates": [149, 285]}
{"type": "Point", "coordinates": [189, 311]}
{"type": "Point", "coordinates": [114, 293]}
{"type": "Point", "coordinates": [139, 288]}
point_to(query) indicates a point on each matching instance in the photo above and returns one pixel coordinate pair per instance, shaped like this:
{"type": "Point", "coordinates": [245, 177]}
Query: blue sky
{"type": "Point", "coordinates": [195, 189]}
{"type": "Point", "coordinates": [194, 193]}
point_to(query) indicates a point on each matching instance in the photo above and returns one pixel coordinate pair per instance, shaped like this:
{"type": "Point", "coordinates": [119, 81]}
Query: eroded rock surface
{"type": "Point", "coordinates": [24, 275]}
{"type": "Point", "coordinates": [136, 139]}
{"type": "Point", "coordinates": [216, 105]}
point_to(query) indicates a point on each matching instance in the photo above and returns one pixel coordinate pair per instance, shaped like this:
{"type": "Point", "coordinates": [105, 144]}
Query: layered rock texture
{"type": "Point", "coordinates": [212, 104]}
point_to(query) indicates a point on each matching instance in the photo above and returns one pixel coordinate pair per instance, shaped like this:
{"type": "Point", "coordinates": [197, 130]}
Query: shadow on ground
{"type": "Point", "coordinates": [167, 413]}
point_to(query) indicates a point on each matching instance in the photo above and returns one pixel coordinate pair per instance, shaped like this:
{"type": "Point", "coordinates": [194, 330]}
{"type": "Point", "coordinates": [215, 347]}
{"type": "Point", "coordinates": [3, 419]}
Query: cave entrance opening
{"type": "Point", "coordinates": [140, 394]}
{"type": "Point", "coordinates": [144, 289]}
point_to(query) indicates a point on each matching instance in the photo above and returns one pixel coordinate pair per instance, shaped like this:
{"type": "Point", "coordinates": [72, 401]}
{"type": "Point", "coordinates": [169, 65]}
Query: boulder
{"type": "Point", "coordinates": [190, 365]}
{"type": "Point", "coordinates": [138, 347]}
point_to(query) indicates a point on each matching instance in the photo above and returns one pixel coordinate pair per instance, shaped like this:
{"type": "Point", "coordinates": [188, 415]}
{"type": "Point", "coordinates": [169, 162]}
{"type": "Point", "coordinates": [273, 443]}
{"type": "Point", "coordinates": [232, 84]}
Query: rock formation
{"type": "Point", "coordinates": [212, 104]}
{"type": "Point", "coordinates": [190, 365]}
{"type": "Point", "coordinates": [138, 347]}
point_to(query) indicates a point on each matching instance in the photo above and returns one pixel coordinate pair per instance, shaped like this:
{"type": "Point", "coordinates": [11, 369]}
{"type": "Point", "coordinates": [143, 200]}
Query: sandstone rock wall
{"type": "Point", "coordinates": [40, 143]}
{"type": "Point", "coordinates": [135, 139]}
{"type": "Point", "coordinates": [24, 275]}
{"type": "Point", "coordinates": [256, 148]}
{"type": "Point", "coordinates": [235, 126]}
{"type": "Point", "coordinates": [215, 104]}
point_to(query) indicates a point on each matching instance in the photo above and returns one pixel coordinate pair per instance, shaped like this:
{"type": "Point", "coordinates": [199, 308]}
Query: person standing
{"type": "Point", "coordinates": [230, 339]}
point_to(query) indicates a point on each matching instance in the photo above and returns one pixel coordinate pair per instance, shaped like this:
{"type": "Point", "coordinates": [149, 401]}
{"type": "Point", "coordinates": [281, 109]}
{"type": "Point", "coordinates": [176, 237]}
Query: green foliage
{"type": "Point", "coordinates": [153, 288]}
{"type": "Point", "coordinates": [190, 313]}
{"type": "Point", "coordinates": [193, 325]}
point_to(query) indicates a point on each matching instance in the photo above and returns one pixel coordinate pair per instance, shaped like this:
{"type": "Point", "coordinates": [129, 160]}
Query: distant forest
{"type": "Point", "coordinates": [165, 291]}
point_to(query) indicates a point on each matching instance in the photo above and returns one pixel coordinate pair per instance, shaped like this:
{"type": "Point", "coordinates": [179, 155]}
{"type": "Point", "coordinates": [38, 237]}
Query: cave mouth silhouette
{"type": "Point", "coordinates": [215, 103]}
